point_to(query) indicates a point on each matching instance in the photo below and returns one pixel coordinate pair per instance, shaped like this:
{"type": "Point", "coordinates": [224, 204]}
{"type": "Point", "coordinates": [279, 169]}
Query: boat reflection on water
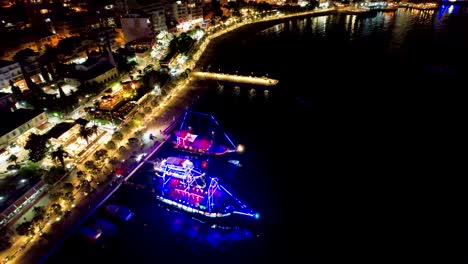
{"type": "Point", "coordinates": [209, 232]}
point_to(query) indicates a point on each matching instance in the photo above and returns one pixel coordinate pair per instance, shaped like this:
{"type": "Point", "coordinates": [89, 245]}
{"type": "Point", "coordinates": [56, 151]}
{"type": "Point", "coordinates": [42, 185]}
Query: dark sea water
{"type": "Point", "coordinates": [323, 149]}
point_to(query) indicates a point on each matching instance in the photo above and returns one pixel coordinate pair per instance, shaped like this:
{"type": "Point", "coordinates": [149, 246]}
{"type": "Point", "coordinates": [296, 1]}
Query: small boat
{"type": "Point", "coordinates": [384, 6]}
{"type": "Point", "coordinates": [200, 133]}
{"type": "Point", "coordinates": [235, 162]}
{"type": "Point", "coordinates": [357, 11]}
{"type": "Point", "coordinates": [120, 212]}
{"type": "Point", "coordinates": [424, 6]}
{"type": "Point", "coordinates": [198, 144]}
{"type": "Point", "coordinates": [105, 226]}
{"type": "Point", "coordinates": [90, 233]}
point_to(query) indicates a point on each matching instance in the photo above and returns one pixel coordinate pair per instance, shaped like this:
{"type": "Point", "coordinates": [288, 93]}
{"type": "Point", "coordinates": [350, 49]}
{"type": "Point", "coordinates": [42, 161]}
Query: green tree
{"type": "Point", "coordinates": [13, 158]}
{"type": "Point", "coordinates": [85, 186]}
{"type": "Point", "coordinates": [133, 143]}
{"type": "Point", "coordinates": [25, 229]}
{"type": "Point", "coordinates": [90, 165]}
{"type": "Point", "coordinates": [56, 208]}
{"type": "Point", "coordinates": [80, 174]}
{"type": "Point", "coordinates": [39, 210]}
{"type": "Point", "coordinates": [53, 175]}
{"type": "Point", "coordinates": [110, 145]}
{"type": "Point", "coordinates": [123, 150]}
{"type": "Point", "coordinates": [117, 135]}
{"type": "Point", "coordinates": [67, 45]}
{"type": "Point", "coordinates": [55, 195]}
{"type": "Point", "coordinates": [100, 154]}
{"type": "Point", "coordinates": [125, 129]}
{"type": "Point", "coordinates": [5, 238]}
{"type": "Point", "coordinates": [39, 213]}
{"type": "Point", "coordinates": [68, 196]}
{"type": "Point", "coordinates": [37, 146]}
{"type": "Point", "coordinates": [31, 170]}
{"type": "Point", "coordinates": [68, 187]}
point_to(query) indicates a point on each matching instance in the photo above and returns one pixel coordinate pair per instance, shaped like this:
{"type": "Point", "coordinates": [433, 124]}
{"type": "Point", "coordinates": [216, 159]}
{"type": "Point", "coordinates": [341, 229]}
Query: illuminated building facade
{"type": "Point", "coordinates": [136, 27]}
{"type": "Point", "coordinates": [158, 17]}
{"type": "Point", "coordinates": [186, 14]}
{"type": "Point", "coordinates": [20, 122]}
{"type": "Point", "coordinates": [98, 68]}
{"type": "Point", "coordinates": [9, 70]}
{"type": "Point", "coordinates": [6, 101]}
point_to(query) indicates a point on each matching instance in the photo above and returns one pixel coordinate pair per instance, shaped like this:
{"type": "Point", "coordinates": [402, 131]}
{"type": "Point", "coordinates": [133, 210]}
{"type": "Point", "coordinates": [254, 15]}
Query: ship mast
{"type": "Point", "coordinates": [211, 191]}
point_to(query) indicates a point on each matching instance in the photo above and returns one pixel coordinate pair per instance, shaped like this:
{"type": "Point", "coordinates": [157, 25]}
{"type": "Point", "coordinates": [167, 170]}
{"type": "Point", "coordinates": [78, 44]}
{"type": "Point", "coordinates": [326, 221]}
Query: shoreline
{"type": "Point", "coordinates": [253, 28]}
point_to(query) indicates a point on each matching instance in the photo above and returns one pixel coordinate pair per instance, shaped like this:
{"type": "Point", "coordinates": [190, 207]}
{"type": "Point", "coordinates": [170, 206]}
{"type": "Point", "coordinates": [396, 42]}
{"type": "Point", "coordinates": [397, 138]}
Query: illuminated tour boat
{"type": "Point", "coordinates": [199, 133]}
{"type": "Point", "coordinates": [180, 184]}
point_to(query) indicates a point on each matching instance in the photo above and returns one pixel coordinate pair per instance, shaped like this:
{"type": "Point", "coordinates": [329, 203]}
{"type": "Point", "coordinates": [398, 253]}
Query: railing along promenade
{"type": "Point", "coordinates": [201, 48]}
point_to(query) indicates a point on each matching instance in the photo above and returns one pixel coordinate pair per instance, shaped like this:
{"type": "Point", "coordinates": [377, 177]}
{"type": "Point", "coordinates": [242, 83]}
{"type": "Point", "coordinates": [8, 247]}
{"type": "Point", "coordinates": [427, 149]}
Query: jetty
{"type": "Point", "coordinates": [235, 78]}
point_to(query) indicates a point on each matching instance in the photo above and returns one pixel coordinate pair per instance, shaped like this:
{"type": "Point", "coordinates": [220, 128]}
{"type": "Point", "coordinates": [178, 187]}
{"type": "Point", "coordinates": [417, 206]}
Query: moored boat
{"type": "Point", "coordinates": [121, 212]}
{"type": "Point", "coordinates": [181, 184]}
{"type": "Point", "coordinates": [200, 133]}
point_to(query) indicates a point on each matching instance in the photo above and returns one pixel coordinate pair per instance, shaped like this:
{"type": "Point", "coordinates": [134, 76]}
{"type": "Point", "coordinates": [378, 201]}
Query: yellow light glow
{"type": "Point", "coordinates": [240, 148]}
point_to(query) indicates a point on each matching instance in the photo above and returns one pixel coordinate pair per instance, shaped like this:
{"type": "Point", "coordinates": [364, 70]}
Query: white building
{"type": "Point", "coordinates": [9, 70]}
{"type": "Point", "coordinates": [19, 123]}
{"type": "Point", "coordinates": [186, 14]}
{"type": "Point", "coordinates": [158, 17]}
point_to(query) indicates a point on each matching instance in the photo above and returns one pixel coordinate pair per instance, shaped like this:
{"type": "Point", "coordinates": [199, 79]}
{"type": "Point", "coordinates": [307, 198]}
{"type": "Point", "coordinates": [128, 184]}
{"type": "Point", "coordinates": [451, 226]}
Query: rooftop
{"type": "Point", "coordinates": [4, 63]}
{"type": "Point", "coordinates": [59, 129]}
{"type": "Point", "coordinates": [2, 94]}
{"type": "Point", "coordinates": [12, 120]}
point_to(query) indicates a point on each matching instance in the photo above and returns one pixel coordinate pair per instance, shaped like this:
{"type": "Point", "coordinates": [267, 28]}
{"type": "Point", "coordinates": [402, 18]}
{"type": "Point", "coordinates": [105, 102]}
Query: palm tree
{"type": "Point", "coordinates": [21, 57]}
{"type": "Point", "coordinates": [48, 59]}
{"type": "Point", "coordinates": [94, 129]}
{"type": "Point", "coordinates": [59, 154]}
{"type": "Point", "coordinates": [85, 133]}
{"type": "Point", "coordinates": [16, 91]}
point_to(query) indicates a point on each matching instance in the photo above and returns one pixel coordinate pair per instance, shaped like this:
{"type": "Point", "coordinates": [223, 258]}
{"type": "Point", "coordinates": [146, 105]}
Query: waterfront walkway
{"type": "Point", "coordinates": [235, 78]}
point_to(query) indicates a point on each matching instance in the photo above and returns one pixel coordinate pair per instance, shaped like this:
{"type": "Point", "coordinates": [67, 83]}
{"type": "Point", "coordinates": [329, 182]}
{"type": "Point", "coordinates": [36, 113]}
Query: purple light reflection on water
{"type": "Point", "coordinates": [198, 232]}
